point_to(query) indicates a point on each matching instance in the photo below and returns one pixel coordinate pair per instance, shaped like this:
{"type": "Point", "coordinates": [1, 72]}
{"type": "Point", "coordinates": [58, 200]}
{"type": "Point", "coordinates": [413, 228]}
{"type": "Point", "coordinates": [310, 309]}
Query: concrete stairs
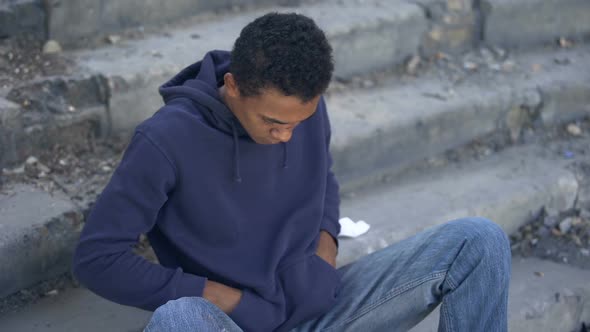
{"type": "Point", "coordinates": [550, 302]}
{"type": "Point", "coordinates": [384, 129]}
{"type": "Point", "coordinates": [544, 296]}
{"type": "Point", "coordinates": [507, 188]}
{"type": "Point", "coordinates": [70, 21]}
{"type": "Point", "coordinates": [113, 87]}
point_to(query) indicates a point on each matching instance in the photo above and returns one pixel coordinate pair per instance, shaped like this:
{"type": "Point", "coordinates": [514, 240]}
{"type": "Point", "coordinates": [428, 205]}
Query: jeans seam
{"type": "Point", "coordinates": [388, 296]}
{"type": "Point", "coordinates": [451, 282]}
{"type": "Point", "coordinates": [446, 316]}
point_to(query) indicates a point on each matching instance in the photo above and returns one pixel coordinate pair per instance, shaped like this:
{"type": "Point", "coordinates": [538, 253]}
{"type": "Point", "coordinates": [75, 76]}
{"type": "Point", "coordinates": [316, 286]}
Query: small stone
{"type": "Point", "coordinates": [574, 130]}
{"type": "Point", "coordinates": [14, 171]}
{"type": "Point", "coordinates": [470, 65]}
{"type": "Point", "coordinates": [565, 225]}
{"type": "Point", "coordinates": [562, 61]}
{"type": "Point", "coordinates": [437, 162]}
{"type": "Point", "coordinates": [576, 240]}
{"type": "Point", "coordinates": [113, 39]}
{"type": "Point", "coordinates": [52, 293]}
{"type": "Point", "coordinates": [10, 56]}
{"type": "Point", "coordinates": [508, 66]}
{"type": "Point", "coordinates": [43, 168]}
{"type": "Point", "coordinates": [499, 52]}
{"type": "Point", "coordinates": [539, 274]}
{"type": "Point", "coordinates": [434, 95]}
{"type": "Point", "coordinates": [534, 241]}
{"type": "Point", "coordinates": [156, 54]}
{"type": "Point", "coordinates": [106, 168]}
{"type": "Point", "coordinates": [442, 56]}
{"type": "Point", "coordinates": [585, 252]}
{"type": "Point", "coordinates": [51, 47]}
{"type": "Point", "coordinates": [413, 64]}
{"type": "Point", "coordinates": [495, 67]}
{"type": "Point", "coordinates": [368, 84]}
{"type": "Point", "coordinates": [63, 162]}
{"type": "Point", "coordinates": [17, 70]}
{"type": "Point", "coordinates": [195, 36]}
{"type": "Point", "coordinates": [31, 160]}
{"type": "Point", "coordinates": [26, 103]}
{"type": "Point", "coordinates": [487, 55]}
{"type": "Point", "coordinates": [71, 108]}
{"type": "Point", "coordinates": [565, 43]}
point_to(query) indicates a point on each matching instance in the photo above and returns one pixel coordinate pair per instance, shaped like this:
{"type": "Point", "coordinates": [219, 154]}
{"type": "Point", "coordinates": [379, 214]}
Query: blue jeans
{"type": "Point", "coordinates": [464, 264]}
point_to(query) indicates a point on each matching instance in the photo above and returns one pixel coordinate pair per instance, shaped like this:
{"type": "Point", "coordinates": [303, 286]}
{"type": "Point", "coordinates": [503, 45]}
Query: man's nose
{"type": "Point", "coordinates": [283, 135]}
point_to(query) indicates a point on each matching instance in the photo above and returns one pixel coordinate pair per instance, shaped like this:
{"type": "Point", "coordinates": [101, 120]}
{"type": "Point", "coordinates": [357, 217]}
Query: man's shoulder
{"type": "Point", "coordinates": [170, 125]}
{"type": "Point", "coordinates": [170, 120]}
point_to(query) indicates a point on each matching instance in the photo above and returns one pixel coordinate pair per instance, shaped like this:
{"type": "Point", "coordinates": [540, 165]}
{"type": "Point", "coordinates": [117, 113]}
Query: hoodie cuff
{"type": "Point", "coordinates": [247, 308]}
{"type": "Point", "coordinates": [254, 310]}
{"type": "Point", "coordinates": [190, 285]}
{"type": "Point", "coordinates": [332, 229]}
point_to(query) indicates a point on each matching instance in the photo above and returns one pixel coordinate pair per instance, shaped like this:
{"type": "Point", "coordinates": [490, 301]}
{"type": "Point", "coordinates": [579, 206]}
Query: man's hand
{"type": "Point", "coordinates": [327, 248]}
{"type": "Point", "coordinates": [224, 297]}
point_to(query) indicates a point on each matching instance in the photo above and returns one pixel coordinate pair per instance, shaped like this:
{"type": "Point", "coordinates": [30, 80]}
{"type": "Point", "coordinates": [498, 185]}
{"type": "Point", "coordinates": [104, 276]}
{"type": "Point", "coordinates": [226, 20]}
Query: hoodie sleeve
{"type": "Point", "coordinates": [128, 206]}
{"type": "Point", "coordinates": [332, 201]}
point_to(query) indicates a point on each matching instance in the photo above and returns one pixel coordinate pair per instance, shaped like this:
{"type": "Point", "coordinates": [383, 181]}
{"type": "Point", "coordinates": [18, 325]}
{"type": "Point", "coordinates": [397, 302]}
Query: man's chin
{"type": "Point", "coordinates": [266, 141]}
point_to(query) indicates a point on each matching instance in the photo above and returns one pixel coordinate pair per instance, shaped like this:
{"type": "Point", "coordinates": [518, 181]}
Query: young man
{"type": "Point", "coordinates": [231, 182]}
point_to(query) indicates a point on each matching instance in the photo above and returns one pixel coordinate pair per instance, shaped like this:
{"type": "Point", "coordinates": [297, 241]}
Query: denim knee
{"type": "Point", "coordinates": [488, 235]}
{"type": "Point", "coordinates": [174, 308]}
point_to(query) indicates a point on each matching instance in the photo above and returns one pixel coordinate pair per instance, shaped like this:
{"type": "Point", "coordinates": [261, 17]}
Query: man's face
{"type": "Point", "coordinates": [270, 117]}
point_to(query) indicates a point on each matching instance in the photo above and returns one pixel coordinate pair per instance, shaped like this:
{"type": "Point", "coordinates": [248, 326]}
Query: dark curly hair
{"type": "Point", "coordinates": [287, 52]}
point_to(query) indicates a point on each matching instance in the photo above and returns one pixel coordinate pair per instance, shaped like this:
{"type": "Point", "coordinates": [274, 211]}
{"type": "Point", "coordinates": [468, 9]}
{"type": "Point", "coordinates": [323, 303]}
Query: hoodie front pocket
{"type": "Point", "coordinates": [310, 287]}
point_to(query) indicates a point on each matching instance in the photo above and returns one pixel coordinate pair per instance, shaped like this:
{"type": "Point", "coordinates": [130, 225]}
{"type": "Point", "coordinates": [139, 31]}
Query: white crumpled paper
{"type": "Point", "coordinates": [349, 228]}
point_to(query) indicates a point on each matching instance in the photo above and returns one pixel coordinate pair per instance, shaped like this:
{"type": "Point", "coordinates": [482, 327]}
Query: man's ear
{"type": "Point", "coordinates": [231, 87]}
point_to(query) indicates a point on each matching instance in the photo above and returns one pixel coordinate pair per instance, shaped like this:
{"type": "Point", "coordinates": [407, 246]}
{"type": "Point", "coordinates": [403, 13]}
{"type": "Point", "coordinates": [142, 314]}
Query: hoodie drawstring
{"type": "Point", "coordinates": [237, 177]}
{"type": "Point", "coordinates": [285, 156]}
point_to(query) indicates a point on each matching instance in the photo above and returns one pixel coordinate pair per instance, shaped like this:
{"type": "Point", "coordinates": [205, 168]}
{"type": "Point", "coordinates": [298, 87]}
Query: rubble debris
{"type": "Point", "coordinates": [52, 47]}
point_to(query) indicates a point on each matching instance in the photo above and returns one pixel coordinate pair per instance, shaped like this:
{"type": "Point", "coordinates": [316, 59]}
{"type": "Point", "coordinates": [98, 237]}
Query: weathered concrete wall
{"type": "Point", "coordinates": [37, 237]}
{"type": "Point", "coordinates": [22, 16]}
{"type": "Point", "coordinates": [72, 19]}
{"type": "Point", "coordinates": [454, 25]}
{"type": "Point", "coordinates": [524, 23]}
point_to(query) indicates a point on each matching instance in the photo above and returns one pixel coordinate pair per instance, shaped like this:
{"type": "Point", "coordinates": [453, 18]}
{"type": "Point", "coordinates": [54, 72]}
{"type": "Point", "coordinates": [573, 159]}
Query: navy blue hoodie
{"type": "Point", "coordinates": [216, 205]}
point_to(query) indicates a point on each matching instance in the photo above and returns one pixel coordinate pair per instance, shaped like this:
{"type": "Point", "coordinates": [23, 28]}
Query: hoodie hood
{"type": "Point", "coordinates": [200, 82]}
